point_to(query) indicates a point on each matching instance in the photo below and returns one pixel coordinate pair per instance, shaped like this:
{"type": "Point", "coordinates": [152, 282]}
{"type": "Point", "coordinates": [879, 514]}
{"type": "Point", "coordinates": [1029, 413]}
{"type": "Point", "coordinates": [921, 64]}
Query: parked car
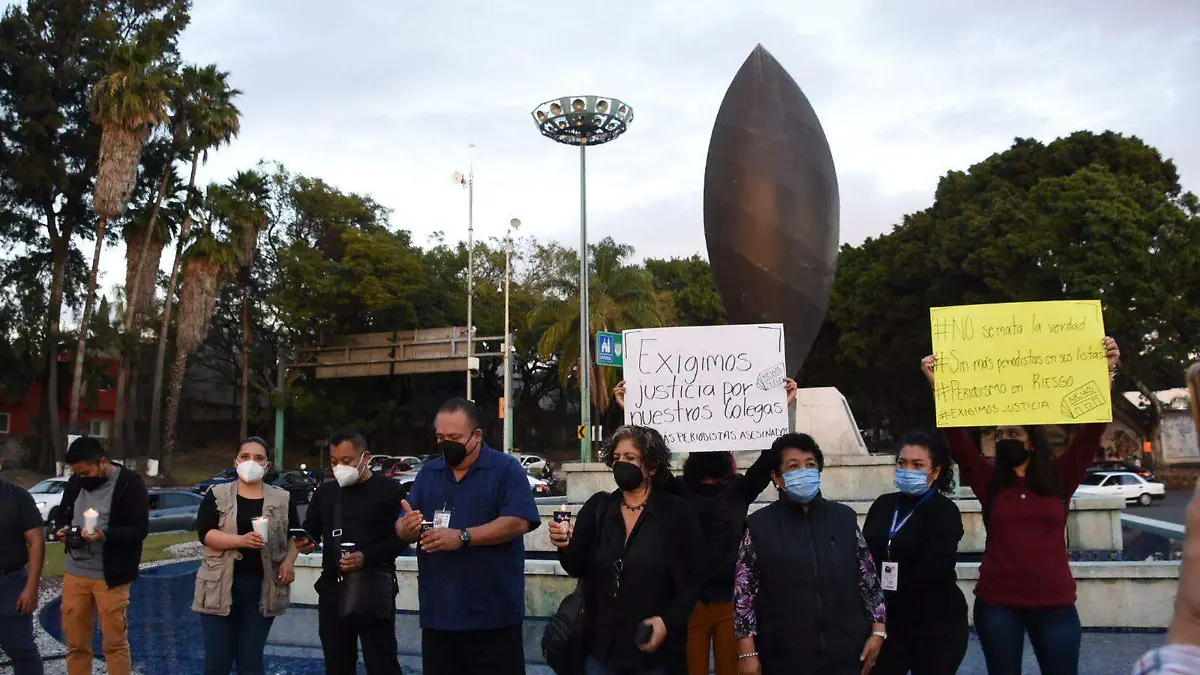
{"type": "Point", "coordinates": [48, 495]}
{"type": "Point", "coordinates": [1125, 484]}
{"type": "Point", "coordinates": [533, 464]}
{"type": "Point", "coordinates": [1117, 465]}
{"type": "Point", "coordinates": [394, 467]}
{"type": "Point", "coordinates": [378, 461]}
{"type": "Point", "coordinates": [223, 476]}
{"type": "Point", "coordinates": [298, 483]}
{"type": "Point", "coordinates": [172, 510]}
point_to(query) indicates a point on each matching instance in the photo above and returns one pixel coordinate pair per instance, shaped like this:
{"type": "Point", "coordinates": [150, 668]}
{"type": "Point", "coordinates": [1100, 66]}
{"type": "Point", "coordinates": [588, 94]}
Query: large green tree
{"type": "Point", "coordinates": [51, 54]}
{"type": "Point", "coordinates": [1083, 217]}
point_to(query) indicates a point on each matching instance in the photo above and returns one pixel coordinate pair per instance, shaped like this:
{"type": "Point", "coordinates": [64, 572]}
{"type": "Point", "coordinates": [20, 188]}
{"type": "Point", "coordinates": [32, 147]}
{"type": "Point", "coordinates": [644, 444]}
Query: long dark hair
{"type": "Point", "coordinates": [1041, 476]}
{"type": "Point", "coordinates": [939, 453]}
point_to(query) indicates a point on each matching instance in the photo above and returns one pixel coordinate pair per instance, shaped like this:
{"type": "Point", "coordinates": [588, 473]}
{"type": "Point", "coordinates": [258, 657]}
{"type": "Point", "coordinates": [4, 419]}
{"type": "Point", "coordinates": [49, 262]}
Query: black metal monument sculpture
{"type": "Point", "coordinates": [771, 205]}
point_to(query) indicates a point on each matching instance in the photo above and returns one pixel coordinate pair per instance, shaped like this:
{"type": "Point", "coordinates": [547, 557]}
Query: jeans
{"type": "Point", "coordinates": [16, 629]}
{"type": "Point", "coordinates": [593, 667]}
{"type": "Point", "coordinates": [240, 637]}
{"type": "Point", "coordinates": [83, 600]}
{"type": "Point", "coordinates": [1054, 633]}
{"type": "Point", "coordinates": [711, 624]}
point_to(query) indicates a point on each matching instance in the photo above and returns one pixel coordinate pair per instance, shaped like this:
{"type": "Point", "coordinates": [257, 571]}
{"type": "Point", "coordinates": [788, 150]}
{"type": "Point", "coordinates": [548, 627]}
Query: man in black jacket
{"type": "Point", "coordinates": [104, 518]}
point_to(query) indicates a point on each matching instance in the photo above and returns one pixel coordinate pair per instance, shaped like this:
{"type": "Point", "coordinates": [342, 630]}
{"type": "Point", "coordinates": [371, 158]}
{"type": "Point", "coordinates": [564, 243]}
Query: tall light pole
{"type": "Point", "coordinates": [468, 182]}
{"type": "Point", "coordinates": [583, 121]}
{"type": "Point", "coordinates": [508, 346]}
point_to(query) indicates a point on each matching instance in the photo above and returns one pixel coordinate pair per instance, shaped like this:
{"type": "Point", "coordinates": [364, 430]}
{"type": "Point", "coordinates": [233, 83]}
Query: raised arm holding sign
{"type": "Point", "coordinates": [1021, 363]}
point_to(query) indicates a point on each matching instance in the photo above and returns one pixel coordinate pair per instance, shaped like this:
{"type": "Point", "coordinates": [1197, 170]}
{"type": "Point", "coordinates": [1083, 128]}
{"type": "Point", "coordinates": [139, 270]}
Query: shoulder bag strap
{"type": "Point", "coordinates": [336, 534]}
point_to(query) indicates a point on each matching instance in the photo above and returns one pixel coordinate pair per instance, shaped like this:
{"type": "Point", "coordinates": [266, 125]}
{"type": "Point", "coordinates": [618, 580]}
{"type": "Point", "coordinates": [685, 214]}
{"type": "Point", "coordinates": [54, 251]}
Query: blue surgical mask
{"type": "Point", "coordinates": [912, 482]}
{"type": "Point", "coordinates": [802, 484]}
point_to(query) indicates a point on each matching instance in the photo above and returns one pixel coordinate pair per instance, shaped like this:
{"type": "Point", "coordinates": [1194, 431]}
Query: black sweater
{"type": "Point", "coordinates": [926, 549]}
{"type": "Point", "coordinates": [722, 518]}
{"type": "Point", "coordinates": [128, 525]}
{"type": "Point", "coordinates": [369, 514]}
{"type": "Point", "coordinates": [660, 575]}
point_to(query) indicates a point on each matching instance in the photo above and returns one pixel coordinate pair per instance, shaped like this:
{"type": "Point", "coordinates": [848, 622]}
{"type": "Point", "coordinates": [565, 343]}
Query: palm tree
{"type": "Point", "coordinates": [621, 297]}
{"type": "Point", "coordinates": [248, 218]}
{"type": "Point", "coordinates": [207, 263]}
{"type": "Point", "coordinates": [208, 119]}
{"type": "Point", "coordinates": [144, 242]}
{"type": "Point", "coordinates": [128, 103]}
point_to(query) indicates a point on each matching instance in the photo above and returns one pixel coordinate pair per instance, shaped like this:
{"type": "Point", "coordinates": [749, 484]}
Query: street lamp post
{"type": "Point", "coordinates": [583, 121]}
{"type": "Point", "coordinates": [468, 182]}
{"type": "Point", "coordinates": [508, 346]}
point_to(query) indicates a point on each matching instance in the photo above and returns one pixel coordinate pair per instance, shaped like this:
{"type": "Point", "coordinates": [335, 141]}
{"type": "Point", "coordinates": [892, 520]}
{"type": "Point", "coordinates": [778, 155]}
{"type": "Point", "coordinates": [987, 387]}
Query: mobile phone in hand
{"type": "Point", "coordinates": [644, 632]}
{"type": "Point", "coordinates": [298, 533]}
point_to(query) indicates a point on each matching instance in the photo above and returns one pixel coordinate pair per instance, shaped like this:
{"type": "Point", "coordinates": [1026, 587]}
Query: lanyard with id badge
{"type": "Point", "coordinates": [890, 580]}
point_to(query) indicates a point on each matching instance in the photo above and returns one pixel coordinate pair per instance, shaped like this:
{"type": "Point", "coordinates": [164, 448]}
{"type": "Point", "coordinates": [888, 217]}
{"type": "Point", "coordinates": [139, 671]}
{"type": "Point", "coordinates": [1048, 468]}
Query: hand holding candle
{"type": "Point", "coordinates": [262, 525]}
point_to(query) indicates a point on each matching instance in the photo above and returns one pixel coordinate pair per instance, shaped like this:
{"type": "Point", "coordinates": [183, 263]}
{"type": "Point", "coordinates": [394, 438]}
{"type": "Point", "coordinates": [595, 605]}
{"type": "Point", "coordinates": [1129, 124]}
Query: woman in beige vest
{"type": "Point", "coordinates": [242, 583]}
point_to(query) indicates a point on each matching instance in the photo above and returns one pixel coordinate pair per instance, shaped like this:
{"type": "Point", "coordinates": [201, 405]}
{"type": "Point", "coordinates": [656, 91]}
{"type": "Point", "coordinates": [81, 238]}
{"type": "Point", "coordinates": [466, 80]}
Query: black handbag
{"type": "Point", "coordinates": [562, 640]}
{"type": "Point", "coordinates": [369, 593]}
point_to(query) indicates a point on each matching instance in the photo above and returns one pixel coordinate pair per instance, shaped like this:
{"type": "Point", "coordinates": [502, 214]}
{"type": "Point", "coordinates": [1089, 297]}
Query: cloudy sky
{"type": "Point", "coordinates": [384, 98]}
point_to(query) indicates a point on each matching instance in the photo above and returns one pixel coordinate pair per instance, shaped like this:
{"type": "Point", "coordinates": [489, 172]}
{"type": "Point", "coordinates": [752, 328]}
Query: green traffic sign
{"type": "Point", "coordinates": [610, 349]}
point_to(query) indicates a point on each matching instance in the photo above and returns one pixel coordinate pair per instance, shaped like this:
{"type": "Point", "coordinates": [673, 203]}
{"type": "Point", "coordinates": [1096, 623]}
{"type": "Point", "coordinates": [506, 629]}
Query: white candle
{"type": "Point", "coordinates": [261, 524]}
{"type": "Point", "coordinates": [91, 518]}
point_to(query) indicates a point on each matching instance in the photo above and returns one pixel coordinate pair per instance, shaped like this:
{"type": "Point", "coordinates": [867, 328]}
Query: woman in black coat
{"type": "Point", "coordinates": [639, 550]}
{"type": "Point", "coordinates": [913, 535]}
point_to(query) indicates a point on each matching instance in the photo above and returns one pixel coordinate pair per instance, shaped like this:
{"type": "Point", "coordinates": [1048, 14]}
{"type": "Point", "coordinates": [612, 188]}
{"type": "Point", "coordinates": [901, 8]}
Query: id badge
{"type": "Point", "coordinates": [441, 519]}
{"type": "Point", "coordinates": [891, 576]}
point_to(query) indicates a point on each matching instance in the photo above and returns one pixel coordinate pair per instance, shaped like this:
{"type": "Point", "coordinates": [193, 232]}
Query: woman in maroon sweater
{"type": "Point", "coordinates": [1025, 583]}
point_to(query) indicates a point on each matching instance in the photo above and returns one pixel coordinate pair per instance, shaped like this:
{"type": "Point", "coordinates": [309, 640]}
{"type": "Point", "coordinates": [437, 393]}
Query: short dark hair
{"type": "Point", "coordinates": [939, 453]}
{"type": "Point", "coordinates": [85, 449]}
{"type": "Point", "coordinates": [796, 441]}
{"type": "Point", "coordinates": [655, 453]}
{"type": "Point", "coordinates": [467, 407]}
{"type": "Point", "coordinates": [707, 465]}
{"type": "Point", "coordinates": [356, 439]}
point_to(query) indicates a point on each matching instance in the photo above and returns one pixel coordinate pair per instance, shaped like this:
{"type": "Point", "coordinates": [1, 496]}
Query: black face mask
{"type": "Point", "coordinates": [1011, 452]}
{"type": "Point", "coordinates": [710, 489]}
{"type": "Point", "coordinates": [453, 452]}
{"type": "Point", "coordinates": [628, 476]}
{"type": "Point", "coordinates": [90, 483]}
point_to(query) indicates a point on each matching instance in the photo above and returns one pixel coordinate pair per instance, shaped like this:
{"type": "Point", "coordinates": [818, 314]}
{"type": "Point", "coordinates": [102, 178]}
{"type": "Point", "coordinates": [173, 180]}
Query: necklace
{"type": "Point", "coordinates": [639, 507]}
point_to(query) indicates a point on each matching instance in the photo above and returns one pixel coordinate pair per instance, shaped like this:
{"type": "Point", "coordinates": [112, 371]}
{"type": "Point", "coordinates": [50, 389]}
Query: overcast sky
{"type": "Point", "coordinates": [384, 98]}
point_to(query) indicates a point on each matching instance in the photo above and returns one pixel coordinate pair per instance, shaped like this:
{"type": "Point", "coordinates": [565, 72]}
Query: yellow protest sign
{"type": "Point", "coordinates": [1021, 363]}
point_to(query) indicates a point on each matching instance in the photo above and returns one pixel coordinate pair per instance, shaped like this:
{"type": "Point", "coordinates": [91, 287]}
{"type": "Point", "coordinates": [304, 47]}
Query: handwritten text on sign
{"type": "Point", "coordinates": [1021, 363]}
{"type": "Point", "coordinates": [708, 388]}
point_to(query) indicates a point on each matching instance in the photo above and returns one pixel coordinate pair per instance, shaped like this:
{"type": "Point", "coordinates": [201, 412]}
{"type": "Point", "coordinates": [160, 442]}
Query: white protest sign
{"type": "Point", "coordinates": [708, 388]}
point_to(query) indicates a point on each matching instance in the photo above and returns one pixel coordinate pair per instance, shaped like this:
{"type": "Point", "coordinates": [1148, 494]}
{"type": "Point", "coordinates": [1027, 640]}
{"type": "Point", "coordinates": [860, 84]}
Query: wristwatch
{"type": "Point", "coordinates": [465, 536]}
{"type": "Point", "coordinates": [879, 634]}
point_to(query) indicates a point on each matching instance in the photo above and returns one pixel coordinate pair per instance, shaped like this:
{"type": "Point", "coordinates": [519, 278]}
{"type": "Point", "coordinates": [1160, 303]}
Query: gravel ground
{"type": "Point", "coordinates": [53, 651]}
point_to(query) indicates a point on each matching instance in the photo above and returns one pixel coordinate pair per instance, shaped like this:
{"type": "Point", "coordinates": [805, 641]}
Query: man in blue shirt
{"type": "Point", "coordinates": [471, 562]}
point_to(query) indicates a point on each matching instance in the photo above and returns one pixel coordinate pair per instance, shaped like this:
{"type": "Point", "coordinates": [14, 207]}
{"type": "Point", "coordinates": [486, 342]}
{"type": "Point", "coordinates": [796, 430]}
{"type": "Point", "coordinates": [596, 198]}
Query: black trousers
{"type": "Point", "coordinates": [923, 648]}
{"type": "Point", "coordinates": [340, 638]}
{"type": "Point", "coordinates": [473, 652]}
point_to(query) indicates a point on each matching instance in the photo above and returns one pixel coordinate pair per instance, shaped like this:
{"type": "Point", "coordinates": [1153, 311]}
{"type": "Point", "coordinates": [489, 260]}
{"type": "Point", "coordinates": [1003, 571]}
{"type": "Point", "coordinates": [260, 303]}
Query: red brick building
{"type": "Point", "coordinates": [19, 419]}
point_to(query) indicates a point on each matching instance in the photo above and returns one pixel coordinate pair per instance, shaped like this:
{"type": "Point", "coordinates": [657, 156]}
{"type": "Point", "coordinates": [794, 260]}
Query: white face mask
{"type": "Point", "coordinates": [250, 471]}
{"type": "Point", "coordinates": [347, 475]}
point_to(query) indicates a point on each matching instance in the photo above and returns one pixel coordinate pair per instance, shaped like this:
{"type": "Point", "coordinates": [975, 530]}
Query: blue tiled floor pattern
{"type": "Point", "coordinates": [165, 636]}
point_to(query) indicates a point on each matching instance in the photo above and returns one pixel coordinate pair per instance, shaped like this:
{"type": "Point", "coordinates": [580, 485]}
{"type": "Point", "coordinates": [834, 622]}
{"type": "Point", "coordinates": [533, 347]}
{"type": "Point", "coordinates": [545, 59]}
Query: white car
{"type": "Point", "coordinates": [532, 464]}
{"type": "Point", "coordinates": [1125, 484]}
{"type": "Point", "coordinates": [48, 495]}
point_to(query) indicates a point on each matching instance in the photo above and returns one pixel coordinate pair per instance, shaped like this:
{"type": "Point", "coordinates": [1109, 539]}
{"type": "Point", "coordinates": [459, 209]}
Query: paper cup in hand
{"type": "Point", "coordinates": [260, 527]}
{"type": "Point", "coordinates": [91, 518]}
